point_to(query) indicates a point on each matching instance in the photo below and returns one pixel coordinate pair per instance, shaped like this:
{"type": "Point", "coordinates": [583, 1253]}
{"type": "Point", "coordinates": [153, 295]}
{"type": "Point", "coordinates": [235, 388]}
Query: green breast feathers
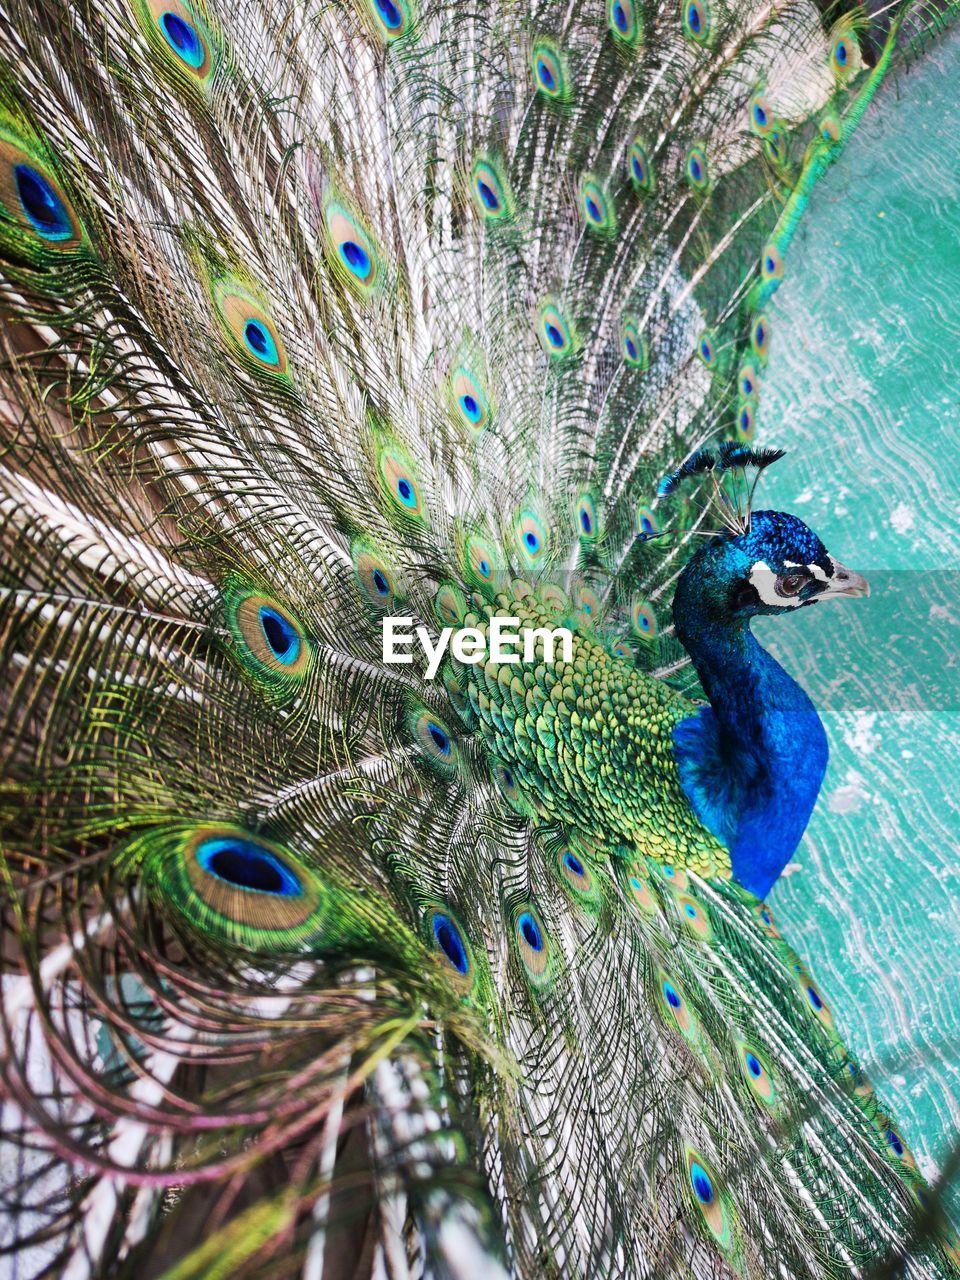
{"type": "Point", "coordinates": [587, 742]}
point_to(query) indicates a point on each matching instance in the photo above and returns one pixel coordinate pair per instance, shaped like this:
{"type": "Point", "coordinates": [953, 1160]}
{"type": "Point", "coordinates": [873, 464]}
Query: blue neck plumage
{"type": "Point", "coordinates": [752, 763]}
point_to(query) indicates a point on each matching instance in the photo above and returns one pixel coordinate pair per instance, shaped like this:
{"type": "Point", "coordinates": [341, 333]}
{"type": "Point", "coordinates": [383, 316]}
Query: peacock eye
{"type": "Point", "coordinates": [790, 584]}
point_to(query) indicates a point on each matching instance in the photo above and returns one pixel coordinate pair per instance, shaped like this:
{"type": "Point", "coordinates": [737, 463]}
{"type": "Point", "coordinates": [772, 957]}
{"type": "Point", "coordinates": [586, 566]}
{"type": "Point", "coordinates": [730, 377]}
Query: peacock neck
{"type": "Point", "coordinates": [752, 764]}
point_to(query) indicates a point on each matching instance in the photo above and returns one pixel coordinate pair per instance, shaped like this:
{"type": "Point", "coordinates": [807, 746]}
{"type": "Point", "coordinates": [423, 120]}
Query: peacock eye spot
{"type": "Point", "coordinates": [356, 256]}
{"type": "Point", "coordinates": [573, 863]}
{"type": "Point", "coordinates": [44, 208]}
{"type": "Point", "coordinates": [670, 992]}
{"type": "Point", "coordinates": [702, 1186]}
{"type": "Point", "coordinates": [256, 337]}
{"type": "Point", "coordinates": [488, 196]}
{"type": "Point", "coordinates": [183, 39]}
{"type": "Point", "coordinates": [450, 942]}
{"type": "Point", "coordinates": [246, 865]}
{"type": "Point", "coordinates": [280, 635]}
{"type": "Point", "coordinates": [546, 75]}
{"type": "Point", "coordinates": [391, 15]}
{"type": "Point", "coordinates": [380, 582]}
{"type": "Point", "coordinates": [530, 931]}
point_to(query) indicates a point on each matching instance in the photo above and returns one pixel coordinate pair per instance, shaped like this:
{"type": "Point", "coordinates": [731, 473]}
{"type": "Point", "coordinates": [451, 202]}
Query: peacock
{"type": "Point", "coordinates": [326, 958]}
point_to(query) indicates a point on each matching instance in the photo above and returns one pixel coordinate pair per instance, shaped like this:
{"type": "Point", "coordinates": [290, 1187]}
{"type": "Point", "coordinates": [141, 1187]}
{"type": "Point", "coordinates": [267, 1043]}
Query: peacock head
{"type": "Point", "coordinates": [759, 562]}
{"type": "Point", "coordinates": [776, 566]}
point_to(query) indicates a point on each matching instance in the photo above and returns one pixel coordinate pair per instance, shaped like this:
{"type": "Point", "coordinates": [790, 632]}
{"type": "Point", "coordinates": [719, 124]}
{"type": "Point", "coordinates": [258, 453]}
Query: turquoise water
{"type": "Point", "coordinates": [863, 388]}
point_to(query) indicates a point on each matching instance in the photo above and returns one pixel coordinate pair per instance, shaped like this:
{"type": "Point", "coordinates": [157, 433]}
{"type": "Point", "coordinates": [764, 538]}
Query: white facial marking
{"type": "Point", "coordinates": [764, 581]}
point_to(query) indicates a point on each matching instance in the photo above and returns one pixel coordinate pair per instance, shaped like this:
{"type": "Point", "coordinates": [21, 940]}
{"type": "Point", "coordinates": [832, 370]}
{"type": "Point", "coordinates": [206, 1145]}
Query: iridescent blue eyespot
{"type": "Point", "coordinates": [646, 521]}
{"type": "Point", "coordinates": [243, 864]}
{"type": "Point", "coordinates": [470, 407]}
{"type": "Point", "coordinates": [356, 258]}
{"type": "Point", "coordinates": [585, 522]}
{"type": "Point", "coordinates": [549, 71]}
{"type": "Point", "coordinates": [620, 16]}
{"type": "Point", "coordinates": [280, 635]}
{"type": "Point", "coordinates": [672, 998]}
{"type": "Point", "coordinates": [698, 171]}
{"type": "Point", "coordinates": [260, 342]}
{"type": "Point", "coordinates": [639, 168]}
{"type": "Point", "coordinates": [379, 580]}
{"type": "Point", "coordinates": [391, 16]}
{"type": "Point", "coordinates": [814, 997]}
{"type": "Point", "coordinates": [448, 939]}
{"type": "Point", "coordinates": [697, 21]}
{"type": "Point", "coordinates": [406, 493]}
{"type": "Point", "coordinates": [573, 863]}
{"type": "Point", "coordinates": [491, 188]}
{"type": "Point", "coordinates": [183, 39]}
{"type": "Point", "coordinates": [530, 930]}
{"type": "Point", "coordinates": [896, 1144]}
{"type": "Point", "coordinates": [700, 1181]}
{"type": "Point", "coordinates": [554, 331]}
{"type": "Point", "coordinates": [753, 1066]}
{"type": "Point", "coordinates": [440, 739]}
{"type": "Point", "coordinates": [45, 210]}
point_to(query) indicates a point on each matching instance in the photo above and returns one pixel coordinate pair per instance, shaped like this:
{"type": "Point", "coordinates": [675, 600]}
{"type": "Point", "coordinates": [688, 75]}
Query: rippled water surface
{"type": "Point", "coordinates": [863, 388]}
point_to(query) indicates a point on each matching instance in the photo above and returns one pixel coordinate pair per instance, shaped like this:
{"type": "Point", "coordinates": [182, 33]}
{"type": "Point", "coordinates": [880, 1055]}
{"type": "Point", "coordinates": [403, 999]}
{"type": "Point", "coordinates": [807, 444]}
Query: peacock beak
{"type": "Point", "coordinates": [844, 582]}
